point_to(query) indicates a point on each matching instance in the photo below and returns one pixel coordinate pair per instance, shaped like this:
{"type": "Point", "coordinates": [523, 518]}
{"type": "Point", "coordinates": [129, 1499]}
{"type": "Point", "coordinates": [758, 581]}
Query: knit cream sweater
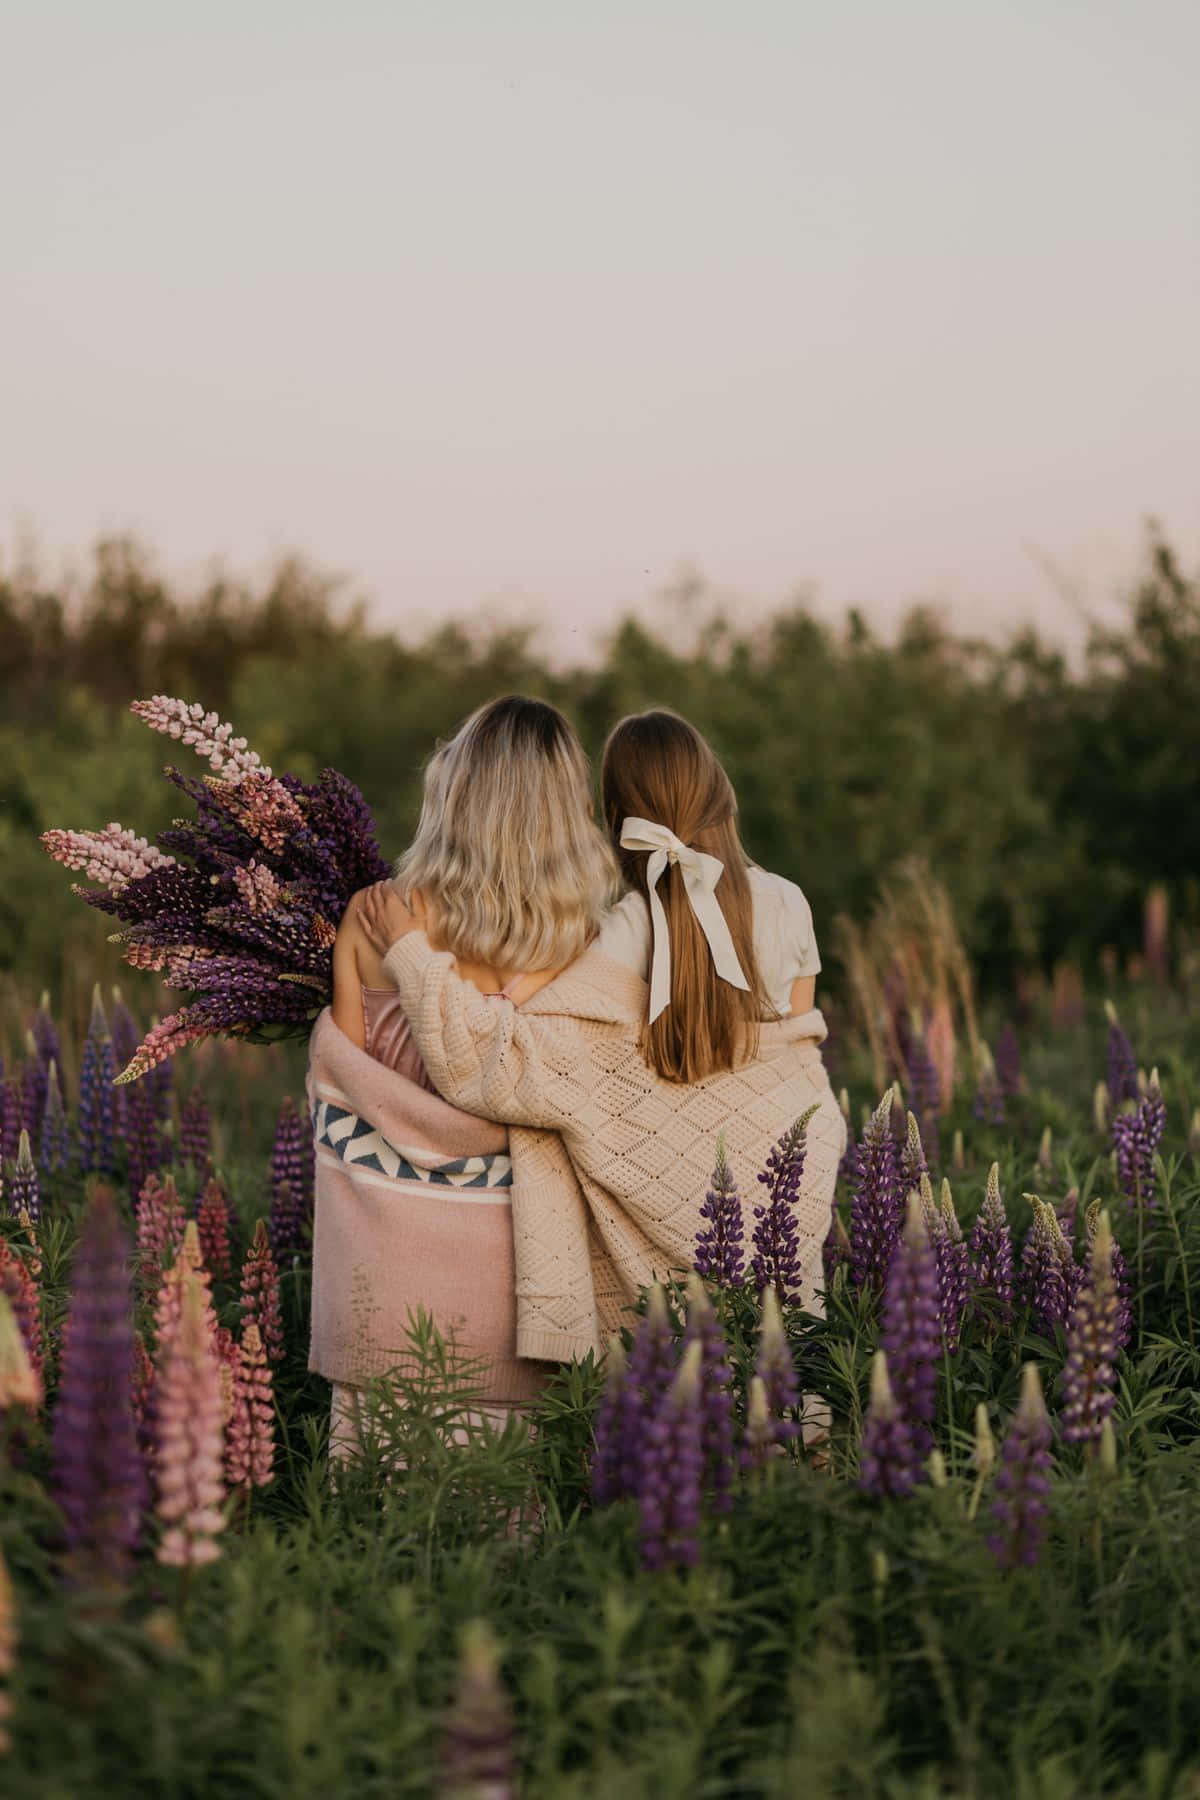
{"type": "Point", "coordinates": [615, 1200]}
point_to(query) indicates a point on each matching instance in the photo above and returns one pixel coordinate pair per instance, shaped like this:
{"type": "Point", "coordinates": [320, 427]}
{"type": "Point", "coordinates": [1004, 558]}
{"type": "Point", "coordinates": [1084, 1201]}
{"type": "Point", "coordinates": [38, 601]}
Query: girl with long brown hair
{"type": "Point", "coordinates": [724, 944]}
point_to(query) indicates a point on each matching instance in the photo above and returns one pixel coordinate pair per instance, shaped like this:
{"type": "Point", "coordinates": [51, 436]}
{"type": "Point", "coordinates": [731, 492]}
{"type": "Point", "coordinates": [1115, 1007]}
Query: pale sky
{"type": "Point", "coordinates": [531, 304]}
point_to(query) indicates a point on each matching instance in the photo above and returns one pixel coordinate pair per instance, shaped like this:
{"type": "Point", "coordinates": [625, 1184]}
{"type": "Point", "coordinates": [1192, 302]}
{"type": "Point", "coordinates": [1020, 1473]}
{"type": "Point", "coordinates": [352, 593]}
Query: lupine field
{"type": "Point", "coordinates": [940, 1542]}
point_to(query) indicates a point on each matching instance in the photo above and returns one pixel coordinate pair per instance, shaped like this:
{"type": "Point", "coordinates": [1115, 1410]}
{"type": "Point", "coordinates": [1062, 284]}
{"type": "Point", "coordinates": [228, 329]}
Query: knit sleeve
{"type": "Point", "coordinates": [481, 1053]}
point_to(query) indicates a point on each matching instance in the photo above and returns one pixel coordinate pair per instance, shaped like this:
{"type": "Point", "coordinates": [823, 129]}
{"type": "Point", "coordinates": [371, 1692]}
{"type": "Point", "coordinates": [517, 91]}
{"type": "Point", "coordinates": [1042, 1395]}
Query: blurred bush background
{"type": "Point", "coordinates": [1048, 799]}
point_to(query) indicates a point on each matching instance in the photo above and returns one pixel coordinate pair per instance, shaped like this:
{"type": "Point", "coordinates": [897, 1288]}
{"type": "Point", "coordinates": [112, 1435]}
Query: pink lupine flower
{"type": "Point", "coordinates": [250, 1436]}
{"type": "Point", "coordinates": [141, 956]}
{"type": "Point", "coordinates": [212, 1222]}
{"type": "Point", "coordinates": [188, 1407]}
{"type": "Point", "coordinates": [202, 732]}
{"type": "Point", "coordinates": [237, 907]}
{"type": "Point", "coordinates": [180, 967]}
{"type": "Point", "coordinates": [260, 1293]}
{"type": "Point", "coordinates": [261, 805]}
{"type": "Point", "coordinates": [258, 886]}
{"type": "Point", "coordinates": [188, 1264]}
{"type": "Point", "coordinates": [20, 1383]}
{"type": "Point", "coordinates": [159, 1222]}
{"type": "Point", "coordinates": [112, 858]}
{"type": "Point", "coordinates": [173, 1033]}
{"type": "Point", "coordinates": [227, 1356]}
{"type": "Point", "coordinates": [20, 1290]}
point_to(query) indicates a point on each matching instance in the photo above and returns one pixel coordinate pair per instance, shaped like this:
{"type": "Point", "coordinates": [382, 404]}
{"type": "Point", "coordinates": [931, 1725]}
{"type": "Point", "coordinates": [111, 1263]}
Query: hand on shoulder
{"type": "Point", "coordinates": [383, 914]}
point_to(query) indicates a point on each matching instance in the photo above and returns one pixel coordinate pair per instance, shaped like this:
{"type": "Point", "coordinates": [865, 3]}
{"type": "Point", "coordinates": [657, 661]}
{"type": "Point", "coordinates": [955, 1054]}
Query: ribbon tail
{"type": "Point", "coordinates": [713, 923]}
{"type": "Point", "coordinates": [660, 961]}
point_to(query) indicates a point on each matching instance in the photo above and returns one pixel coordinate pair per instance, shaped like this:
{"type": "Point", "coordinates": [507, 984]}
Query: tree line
{"type": "Point", "coordinates": [1048, 798]}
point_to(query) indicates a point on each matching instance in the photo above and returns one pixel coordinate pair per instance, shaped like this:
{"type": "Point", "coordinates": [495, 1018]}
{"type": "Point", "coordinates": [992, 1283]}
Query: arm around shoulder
{"type": "Point", "coordinates": [480, 1051]}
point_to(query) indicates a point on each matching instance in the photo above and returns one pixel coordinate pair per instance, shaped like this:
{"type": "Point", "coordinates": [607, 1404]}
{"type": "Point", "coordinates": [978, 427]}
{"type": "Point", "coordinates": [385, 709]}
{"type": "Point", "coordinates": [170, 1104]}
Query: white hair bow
{"type": "Point", "coordinates": [701, 874]}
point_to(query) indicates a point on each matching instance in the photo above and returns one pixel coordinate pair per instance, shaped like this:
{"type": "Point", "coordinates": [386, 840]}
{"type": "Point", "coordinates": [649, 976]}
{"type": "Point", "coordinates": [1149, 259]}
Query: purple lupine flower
{"type": "Point", "coordinates": [22, 1189]}
{"type": "Point", "coordinates": [776, 1259]}
{"type": "Point", "coordinates": [123, 1028]}
{"type": "Point", "coordinates": [34, 1083]}
{"type": "Point", "coordinates": [1008, 1063]}
{"type": "Point", "coordinates": [1046, 1269]}
{"type": "Point", "coordinates": [239, 904]}
{"type": "Point", "coordinates": [913, 1161]}
{"type": "Point", "coordinates": [889, 1458]}
{"type": "Point", "coordinates": [1121, 1072]}
{"type": "Point", "coordinates": [719, 1254]}
{"type": "Point", "coordinates": [195, 1132]}
{"type": "Point", "coordinates": [98, 1473]}
{"type": "Point", "coordinates": [652, 1362]}
{"type": "Point", "coordinates": [54, 1148]}
{"type": "Point", "coordinates": [1101, 1109]}
{"type": "Point", "coordinates": [988, 1104]}
{"type": "Point", "coordinates": [776, 1369]}
{"type": "Point", "coordinates": [45, 1036]}
{"type": "Point", "coordinates": [924, 1090]}
{"type": "Point", "coordinates": [835, 1251]}
{"type": "Point", "coordinates": [848, 1164]}
{"type": "Point", "coordinates": [716, 1400]}
{"type": "Point", "coordinates": [144, 1146]}
{"type": "Point", "coordinates": [759, 1439]}
{"type": "Point", "coordinates": [1136, 1139]}
{"type": "Point", "coordinates": [991, 1254]}
{"type": "Point", "coordinates": [953, 1265]}
{"type": "Point", "coordinates": [1092, 1344]}
{"type": "Point", "coordinates": [291, 1191]}
{"type": "Point", "coordinates": [160, 1080]}
{"type": "Point", "coordinates": [672, 1470]}
{"type": "Point", "coordinates": [12, 1114]}
{"type": "Point", "coordinates": [97, 1105]}
{"type": "Point", "coordinates": [911, 1328]}
{"type": "Point", "coordinates": [877, 1209]}
{"type": "Point", "coordinates": [1022, 1483]}
{"type": "Point", "coordinates": [1121, 1275]}
{"type": "Point", "coordinates": [610, 1460]}
{"type": "Point", "coordinates": [476, 1756]}
{"type": "Point", "coordinates": [1066, 1213]}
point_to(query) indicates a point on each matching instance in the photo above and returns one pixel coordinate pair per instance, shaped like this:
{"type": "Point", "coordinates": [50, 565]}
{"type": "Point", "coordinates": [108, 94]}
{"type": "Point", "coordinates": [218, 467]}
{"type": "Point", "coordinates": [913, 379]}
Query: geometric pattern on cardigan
{"type": "Point", "coordinates": [360, 1144]}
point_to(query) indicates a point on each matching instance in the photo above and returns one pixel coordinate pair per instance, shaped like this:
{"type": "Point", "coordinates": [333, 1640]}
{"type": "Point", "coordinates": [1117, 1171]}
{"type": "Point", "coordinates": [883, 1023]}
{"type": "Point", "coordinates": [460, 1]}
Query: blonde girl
{"type": "Point", "coordinates": [510, 875]}
{"type": "Point", "coordinates": [508, 870]}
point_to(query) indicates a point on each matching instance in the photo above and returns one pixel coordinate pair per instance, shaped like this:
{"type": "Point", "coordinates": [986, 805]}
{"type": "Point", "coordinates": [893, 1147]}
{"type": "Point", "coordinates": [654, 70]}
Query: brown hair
{"type": "Point", "coordinates": [658, 767]}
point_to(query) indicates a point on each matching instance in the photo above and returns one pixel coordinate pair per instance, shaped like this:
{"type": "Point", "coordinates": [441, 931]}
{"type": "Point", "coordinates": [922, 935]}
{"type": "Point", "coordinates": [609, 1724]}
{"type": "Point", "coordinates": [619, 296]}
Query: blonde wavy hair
{"type": "Point", "coordinates": [508, 854]}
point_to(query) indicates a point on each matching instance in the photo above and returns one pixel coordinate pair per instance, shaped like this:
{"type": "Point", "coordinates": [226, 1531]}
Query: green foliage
{"type": "Point", "coordinates": [1047, 801]}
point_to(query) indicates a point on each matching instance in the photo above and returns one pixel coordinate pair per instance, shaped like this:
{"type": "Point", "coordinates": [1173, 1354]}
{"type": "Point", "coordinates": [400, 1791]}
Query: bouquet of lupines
{"type": "Point", "coordinates": [238, 906]}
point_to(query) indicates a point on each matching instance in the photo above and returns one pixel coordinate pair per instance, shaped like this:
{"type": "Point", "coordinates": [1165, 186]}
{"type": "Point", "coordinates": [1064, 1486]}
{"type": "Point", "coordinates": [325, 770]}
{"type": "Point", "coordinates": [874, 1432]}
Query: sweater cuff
{"type": "Point", "coordinates": [406, 963]}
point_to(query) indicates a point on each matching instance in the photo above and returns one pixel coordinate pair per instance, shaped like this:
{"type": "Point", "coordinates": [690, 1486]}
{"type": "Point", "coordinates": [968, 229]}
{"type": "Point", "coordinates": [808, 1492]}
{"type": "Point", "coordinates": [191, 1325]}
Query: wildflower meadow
{"type": "Point", "coordinates": [936, 1541]}
{"type": "Point", "coordinates": [926, 1528]}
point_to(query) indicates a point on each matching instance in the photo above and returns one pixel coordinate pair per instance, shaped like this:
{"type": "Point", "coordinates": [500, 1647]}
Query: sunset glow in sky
{"type": "Point", "coordinates": [533, 305]}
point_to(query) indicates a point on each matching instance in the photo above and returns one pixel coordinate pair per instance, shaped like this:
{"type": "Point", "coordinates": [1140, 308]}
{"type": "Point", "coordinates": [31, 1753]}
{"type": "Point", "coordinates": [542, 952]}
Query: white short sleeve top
{"type": "Point", "coordinates": [785, 945]}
